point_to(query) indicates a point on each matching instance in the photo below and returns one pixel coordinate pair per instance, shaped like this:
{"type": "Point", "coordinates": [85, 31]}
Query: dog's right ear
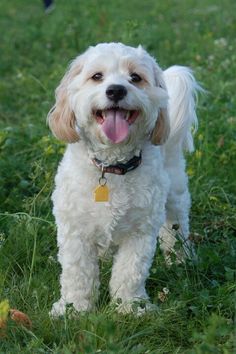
{"type": "Point", "coordinates": [61, 118]}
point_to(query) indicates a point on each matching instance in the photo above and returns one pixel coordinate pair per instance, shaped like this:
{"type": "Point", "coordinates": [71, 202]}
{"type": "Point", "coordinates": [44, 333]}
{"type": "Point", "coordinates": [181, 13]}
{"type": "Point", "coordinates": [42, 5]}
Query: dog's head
{"type": "Point", "coordinates": [112, 94]}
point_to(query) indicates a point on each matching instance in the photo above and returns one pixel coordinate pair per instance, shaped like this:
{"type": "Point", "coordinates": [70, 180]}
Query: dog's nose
{"type": "Point", "coordinates": [116, 92]}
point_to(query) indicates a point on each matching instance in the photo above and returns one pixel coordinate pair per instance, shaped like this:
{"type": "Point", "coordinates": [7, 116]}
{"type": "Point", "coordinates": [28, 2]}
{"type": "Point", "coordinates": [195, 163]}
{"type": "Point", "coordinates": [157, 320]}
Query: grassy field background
{"type": "Point", "coordinates": [197, 316]}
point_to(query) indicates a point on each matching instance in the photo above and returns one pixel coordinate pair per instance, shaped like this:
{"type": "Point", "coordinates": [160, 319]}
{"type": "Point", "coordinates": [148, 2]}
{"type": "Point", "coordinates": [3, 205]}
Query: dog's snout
{"type": "Point", "coordinates": [116, 92]}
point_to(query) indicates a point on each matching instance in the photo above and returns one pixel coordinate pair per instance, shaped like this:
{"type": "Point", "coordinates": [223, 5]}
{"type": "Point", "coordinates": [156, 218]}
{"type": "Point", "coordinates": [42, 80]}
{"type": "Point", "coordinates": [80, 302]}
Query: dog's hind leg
{"type": "Point", "coordinates": [176, 227]}
{"type": "Point", "coordinates": [174, 234]}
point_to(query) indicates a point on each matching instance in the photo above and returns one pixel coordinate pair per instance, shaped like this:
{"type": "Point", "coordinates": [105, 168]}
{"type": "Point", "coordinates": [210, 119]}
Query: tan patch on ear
{"type": "Point", "coordinates": [61, 118]}
{"type": "Point", "coordinates": [161, 130]}
{"type": "Point", "coordinates": [62, 122]}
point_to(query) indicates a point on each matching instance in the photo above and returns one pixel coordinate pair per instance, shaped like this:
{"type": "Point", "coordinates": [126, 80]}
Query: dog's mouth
{"type": "Point", "coordinates": [115, 122]}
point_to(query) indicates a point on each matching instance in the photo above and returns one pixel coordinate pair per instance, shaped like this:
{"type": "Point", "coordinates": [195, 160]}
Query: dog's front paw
{"type": "Point", "coordinates": [58, 309]}
{"type": "Point", "coordinates": [62, 307]}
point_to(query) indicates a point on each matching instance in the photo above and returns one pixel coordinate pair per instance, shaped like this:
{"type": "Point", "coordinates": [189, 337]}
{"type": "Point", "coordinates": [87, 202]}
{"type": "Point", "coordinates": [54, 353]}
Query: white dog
{"type": "Point", "coordinates": [122, 180]}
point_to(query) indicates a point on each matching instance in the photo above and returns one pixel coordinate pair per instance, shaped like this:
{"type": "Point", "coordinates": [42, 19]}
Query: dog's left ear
{"type": "Point", "coordinates": [161, 129]}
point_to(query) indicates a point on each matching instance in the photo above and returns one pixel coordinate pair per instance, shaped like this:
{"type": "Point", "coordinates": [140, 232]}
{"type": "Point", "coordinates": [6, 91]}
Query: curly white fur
{"type": "Point", "coordinates": [143, 203]}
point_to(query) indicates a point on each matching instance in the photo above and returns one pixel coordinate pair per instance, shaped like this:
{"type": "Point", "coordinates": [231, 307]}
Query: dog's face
{"type": "Point", "coordinates": [112, 95]}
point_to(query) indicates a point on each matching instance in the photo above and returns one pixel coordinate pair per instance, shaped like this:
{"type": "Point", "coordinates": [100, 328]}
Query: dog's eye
{"type": "Point", "coordinates": [97, 77]}
{"type": "Point", "coordinates": [135, 78]}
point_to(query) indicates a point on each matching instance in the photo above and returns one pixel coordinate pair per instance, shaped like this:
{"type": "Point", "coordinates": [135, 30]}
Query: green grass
{"type": "Point", "coordinates": [197, 316]}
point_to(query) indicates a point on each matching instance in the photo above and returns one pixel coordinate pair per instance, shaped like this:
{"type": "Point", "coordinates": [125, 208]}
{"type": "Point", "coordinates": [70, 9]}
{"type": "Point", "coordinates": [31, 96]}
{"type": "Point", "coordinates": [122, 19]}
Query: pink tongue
{"type": "Point", "coordinates": [115, 126]}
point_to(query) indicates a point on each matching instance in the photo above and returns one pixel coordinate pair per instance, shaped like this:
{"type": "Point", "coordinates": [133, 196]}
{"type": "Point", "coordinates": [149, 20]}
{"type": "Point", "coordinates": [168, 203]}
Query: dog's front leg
{"type": "Point", "coordinates": [80, 276]}
{"type": "Point", "coordinates": [130, 271]}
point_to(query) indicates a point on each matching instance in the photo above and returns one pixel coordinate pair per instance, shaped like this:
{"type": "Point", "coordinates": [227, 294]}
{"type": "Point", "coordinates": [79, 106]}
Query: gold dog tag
{"type": "Point", "coordinates": [101, 194]}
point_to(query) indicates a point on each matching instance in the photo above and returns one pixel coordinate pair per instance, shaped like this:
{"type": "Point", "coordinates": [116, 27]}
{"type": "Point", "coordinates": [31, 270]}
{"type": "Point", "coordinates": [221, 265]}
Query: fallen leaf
{"type": "Point", "coordinates": [20, 318]}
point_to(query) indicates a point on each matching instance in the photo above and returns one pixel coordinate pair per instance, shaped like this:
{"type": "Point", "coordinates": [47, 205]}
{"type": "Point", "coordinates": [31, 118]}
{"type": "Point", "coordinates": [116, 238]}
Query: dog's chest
{"type": "Point", "coordinates": [133, 199]}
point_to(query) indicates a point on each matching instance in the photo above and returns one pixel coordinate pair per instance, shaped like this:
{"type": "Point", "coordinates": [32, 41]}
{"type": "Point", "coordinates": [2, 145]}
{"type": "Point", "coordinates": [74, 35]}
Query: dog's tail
{"type": "Point", "coordinates": [182, 90]}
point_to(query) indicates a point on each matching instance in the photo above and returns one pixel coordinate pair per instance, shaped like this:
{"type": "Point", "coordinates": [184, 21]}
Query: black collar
{"type": "Point", "coordinates": [120, 168]}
